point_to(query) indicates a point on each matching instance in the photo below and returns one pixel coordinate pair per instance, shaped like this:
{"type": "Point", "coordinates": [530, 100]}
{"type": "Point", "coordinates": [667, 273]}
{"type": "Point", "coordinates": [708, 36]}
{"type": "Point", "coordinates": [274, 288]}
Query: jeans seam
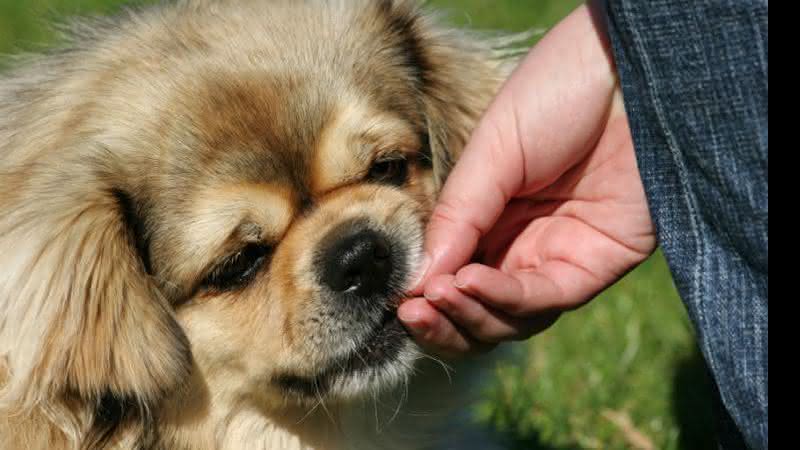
{"type": "Point", "coordinates": [688, 198]}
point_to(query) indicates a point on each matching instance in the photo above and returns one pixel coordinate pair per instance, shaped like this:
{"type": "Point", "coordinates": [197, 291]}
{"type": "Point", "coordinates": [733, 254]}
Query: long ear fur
{"type": "Point", "coordinates": [458, 73]}
{"type": "Point", "coordinates": [81, 322]}
{"type": "Point", "coordinates": [79, 316]}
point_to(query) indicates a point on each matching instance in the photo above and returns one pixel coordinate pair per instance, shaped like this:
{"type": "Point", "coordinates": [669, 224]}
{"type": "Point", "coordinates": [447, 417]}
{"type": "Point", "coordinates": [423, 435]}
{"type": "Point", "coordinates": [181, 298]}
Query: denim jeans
{"type": "Point", "coordinates": [694, 79]}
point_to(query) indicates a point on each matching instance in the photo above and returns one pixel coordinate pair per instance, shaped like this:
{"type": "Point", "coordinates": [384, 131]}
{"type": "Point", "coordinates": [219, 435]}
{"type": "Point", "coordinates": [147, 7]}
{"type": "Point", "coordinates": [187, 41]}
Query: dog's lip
{"type": "Point", "coordinates": [373, 345]}
{"type": "Point", "coordinates": [380, 345]}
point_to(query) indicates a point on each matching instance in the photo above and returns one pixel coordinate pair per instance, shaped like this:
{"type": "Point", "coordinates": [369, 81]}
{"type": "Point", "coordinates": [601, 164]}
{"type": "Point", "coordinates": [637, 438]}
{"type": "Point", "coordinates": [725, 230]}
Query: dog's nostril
{"type": "Point", "coordinates": [359, 263]}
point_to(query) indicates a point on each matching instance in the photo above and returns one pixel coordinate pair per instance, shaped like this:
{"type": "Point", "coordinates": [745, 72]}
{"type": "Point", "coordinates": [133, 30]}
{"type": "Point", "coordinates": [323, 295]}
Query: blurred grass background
{"type": "Point", "coordinates": [623, 372]}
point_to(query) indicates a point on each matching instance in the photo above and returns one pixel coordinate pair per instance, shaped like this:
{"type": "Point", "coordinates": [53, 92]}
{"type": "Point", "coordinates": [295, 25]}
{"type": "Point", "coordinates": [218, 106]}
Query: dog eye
{"type": "Point", "coordinates": [393, 171]}
{"type": "Point", "coordinates": [239, 269]}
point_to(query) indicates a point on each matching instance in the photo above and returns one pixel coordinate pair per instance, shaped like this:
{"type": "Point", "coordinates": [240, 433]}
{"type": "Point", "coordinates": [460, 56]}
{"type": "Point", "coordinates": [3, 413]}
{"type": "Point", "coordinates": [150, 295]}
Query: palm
{"type": "Point", "coordinates": [584, 231]}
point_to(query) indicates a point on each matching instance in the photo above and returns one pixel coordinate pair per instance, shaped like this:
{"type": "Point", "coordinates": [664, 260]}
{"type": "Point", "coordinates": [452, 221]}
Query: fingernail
{"type": "Point", "coordinates": [413, 322]}
{"type": "Point", "coordinates": [459, 282]}
{"type": "Point", "coordinates": [433, 296]}
{"type": "Point", "coordinates": [408, 317]}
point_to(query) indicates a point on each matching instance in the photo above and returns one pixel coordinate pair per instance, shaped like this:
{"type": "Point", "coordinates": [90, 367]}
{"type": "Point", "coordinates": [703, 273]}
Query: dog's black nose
{"type": "Point", "coordinates": [359, 263]}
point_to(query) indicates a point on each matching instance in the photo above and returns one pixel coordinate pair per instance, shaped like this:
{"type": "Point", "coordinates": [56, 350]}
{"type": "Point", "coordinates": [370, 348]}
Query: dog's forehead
{"type": "Point", "coordinates": [261, 100]}
{"type": "Point", "coordinates": [259, 127]}
{"type": "Point", "coordinates": [300, 132]}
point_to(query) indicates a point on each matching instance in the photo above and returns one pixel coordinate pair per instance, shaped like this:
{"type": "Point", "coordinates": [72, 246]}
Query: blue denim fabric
{"type": "Point", "coordinates": [694, 79]}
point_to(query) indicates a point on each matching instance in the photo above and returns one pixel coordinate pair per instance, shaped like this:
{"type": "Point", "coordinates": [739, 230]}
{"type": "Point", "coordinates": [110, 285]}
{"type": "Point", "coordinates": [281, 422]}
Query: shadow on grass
{"type": "Point", "coordinates": [692, 405]}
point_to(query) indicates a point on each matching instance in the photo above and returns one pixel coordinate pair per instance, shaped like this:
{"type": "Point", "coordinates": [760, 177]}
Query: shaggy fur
{"type": "Point", "coordinates": [162, 149]}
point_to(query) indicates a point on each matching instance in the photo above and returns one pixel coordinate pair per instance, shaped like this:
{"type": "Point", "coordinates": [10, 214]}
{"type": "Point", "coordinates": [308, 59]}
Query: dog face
{"type": "Point", "coordinates": [231, 190]}
{"type": "Point", "coordinates": [312, 228]}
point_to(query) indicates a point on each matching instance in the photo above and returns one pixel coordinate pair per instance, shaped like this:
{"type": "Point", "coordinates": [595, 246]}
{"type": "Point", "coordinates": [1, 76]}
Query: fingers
{"type": "Point", "coordinates": [521, 294]}
{"type": "Point", "coordinates": [471, 315]}
{"type": "Point", "coordinates": [476, 316]}
{"type": "Point", "coordinates": [454, 318]}
{"type": "Point", "coordinates": [435, 332]}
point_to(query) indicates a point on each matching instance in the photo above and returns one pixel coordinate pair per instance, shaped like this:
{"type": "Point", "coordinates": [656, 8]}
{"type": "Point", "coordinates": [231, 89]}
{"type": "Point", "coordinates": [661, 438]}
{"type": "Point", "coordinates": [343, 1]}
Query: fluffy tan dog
{"type": "Point", "coordinates": [209, 211]}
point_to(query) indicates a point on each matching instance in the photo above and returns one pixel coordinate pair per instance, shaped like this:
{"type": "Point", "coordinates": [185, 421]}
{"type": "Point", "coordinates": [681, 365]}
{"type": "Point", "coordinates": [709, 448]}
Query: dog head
{"type": "Point", "coordinates": [233, 189]}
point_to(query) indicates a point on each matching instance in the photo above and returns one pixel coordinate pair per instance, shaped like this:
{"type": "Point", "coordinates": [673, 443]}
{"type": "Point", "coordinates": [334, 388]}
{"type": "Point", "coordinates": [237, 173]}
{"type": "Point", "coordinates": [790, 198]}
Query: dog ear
{"type": "Point", "coordinates": [458, 72]}
{"type": "Point", "coordinates": [78, 313]}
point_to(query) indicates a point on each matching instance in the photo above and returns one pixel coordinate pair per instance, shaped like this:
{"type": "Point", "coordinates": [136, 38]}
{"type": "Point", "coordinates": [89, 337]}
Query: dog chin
{"type": "Point", "coordinates": [383, 360]}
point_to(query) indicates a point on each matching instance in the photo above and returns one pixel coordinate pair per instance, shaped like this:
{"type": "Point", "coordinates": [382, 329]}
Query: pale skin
{"type": "Point", "coordinates": [544, 210]}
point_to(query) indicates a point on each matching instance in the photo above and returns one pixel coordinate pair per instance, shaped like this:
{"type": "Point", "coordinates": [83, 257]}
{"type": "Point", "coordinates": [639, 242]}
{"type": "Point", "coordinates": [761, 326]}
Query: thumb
{"type": "Point", "coordinates": [487, 175]}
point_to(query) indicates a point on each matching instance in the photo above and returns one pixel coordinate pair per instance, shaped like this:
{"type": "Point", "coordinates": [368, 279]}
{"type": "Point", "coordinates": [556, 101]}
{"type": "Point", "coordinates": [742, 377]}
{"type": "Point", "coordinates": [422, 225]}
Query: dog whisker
{"type": "Point", "coordinates": [322, 403]}
{"type": "Point", "coordinates": [310, 411]}
{"type": "Point", "coordinates": [448, 370]}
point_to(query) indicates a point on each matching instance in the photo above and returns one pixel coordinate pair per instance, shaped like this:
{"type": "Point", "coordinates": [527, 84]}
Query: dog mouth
{"type": "Point", "coordinates": [379, 349]}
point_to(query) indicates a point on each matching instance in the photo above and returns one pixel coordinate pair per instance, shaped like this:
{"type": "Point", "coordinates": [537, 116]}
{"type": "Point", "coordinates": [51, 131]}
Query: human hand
{"type": "Point", "coordinates": [546, 197]}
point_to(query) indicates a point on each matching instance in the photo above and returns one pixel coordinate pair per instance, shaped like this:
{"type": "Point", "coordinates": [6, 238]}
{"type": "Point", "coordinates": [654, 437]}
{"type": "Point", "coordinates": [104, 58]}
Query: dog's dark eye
{"type": "Point", "coordinates": [238, 269]}
{"type": "Point", "coordinates": [392, 171]}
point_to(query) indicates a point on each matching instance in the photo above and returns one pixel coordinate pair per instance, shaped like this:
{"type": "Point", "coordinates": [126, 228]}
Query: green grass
{"type": "Point", "coordinates": [631, 351]}
{"type": "Point", "coordinates": [510, 15]}
{"type": "Point", "coordinates": [24, 23]}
